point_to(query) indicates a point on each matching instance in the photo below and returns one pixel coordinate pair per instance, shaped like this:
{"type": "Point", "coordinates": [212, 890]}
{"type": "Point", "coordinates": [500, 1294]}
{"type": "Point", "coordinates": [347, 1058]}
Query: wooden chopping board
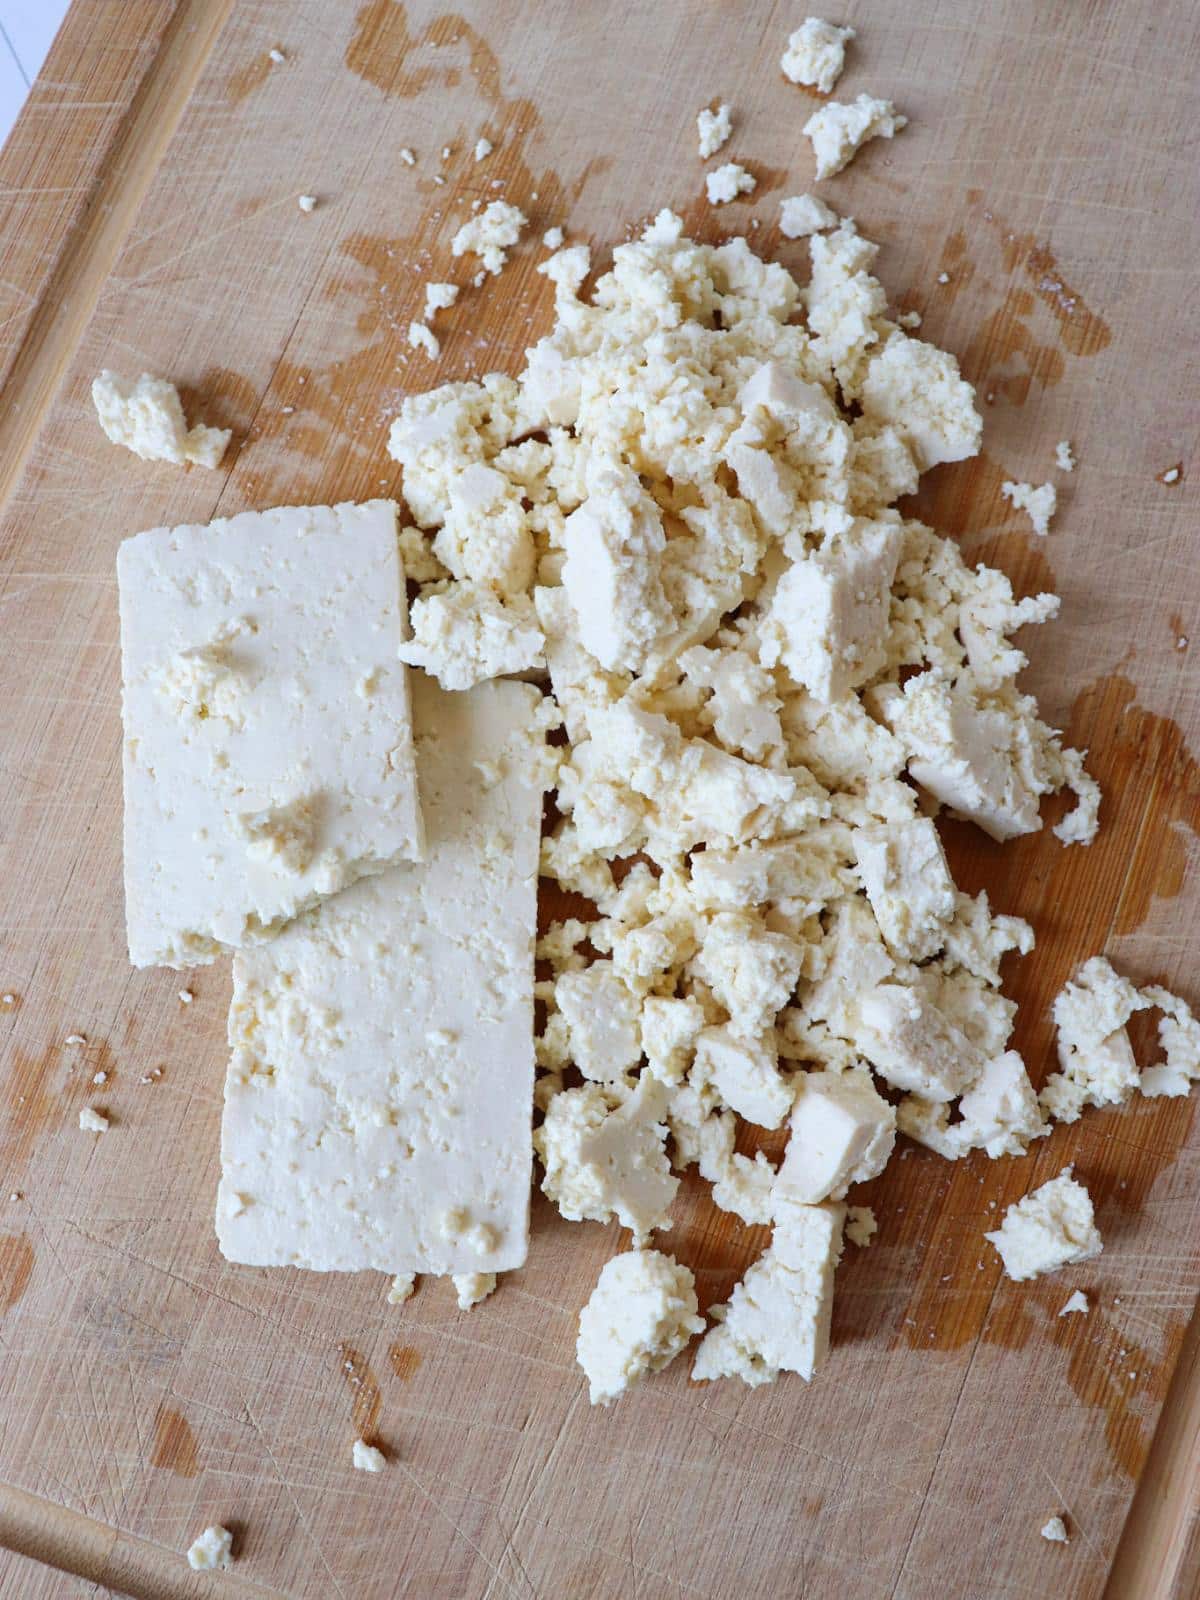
{"type": "Point", "coordinates": [148, 221]}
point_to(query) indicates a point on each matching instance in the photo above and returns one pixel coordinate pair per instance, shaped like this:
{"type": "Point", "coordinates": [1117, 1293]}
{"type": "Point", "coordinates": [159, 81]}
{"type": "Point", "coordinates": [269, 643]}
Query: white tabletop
{"type": "Point", "coordinates": [27, 29]}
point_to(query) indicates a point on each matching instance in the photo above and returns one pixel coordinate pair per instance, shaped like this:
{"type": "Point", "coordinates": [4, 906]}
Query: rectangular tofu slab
{"type": "Point", "coordinates": [379, 1097]}
{"type": "Point", "coordinates": [268, 741]}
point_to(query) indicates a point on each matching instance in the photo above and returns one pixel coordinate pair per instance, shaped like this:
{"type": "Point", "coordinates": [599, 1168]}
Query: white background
{"type": "Point", "coordinates": [27, 29]}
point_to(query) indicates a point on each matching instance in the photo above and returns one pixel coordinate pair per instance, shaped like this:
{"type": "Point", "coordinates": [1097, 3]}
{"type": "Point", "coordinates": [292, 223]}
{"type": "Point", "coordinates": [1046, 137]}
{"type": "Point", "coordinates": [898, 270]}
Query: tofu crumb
{"type": "Point", "coordinates": [213, 1549]}
{"type": "Point", "coordinates": [1064, 456]}
{"type": "Point", "coordinates": [816, 54]}
{"type": "Point", "coordinates": [553, 238]}
{"type": "Point", "coordinates": [727, 182]}
{"type": "Point", "coordinates": [422, 337]}
{"type": "Point", "coordinates": [307, 202]}
{"type": "Point", "coordinates": [92, 1121]}
{"type": "Point", "coordinates": [861, 1226]}
{"type": "Point", "coordinates": [490, 235]}
{"type": "Point", "coordinates": [943, 277]}
{"type": "Point", "coordinates": [277, 56]}
{"type": "Point", "coordinates": [1078, 1302]}
{"type": "Point", "coordinates": [446, 152]}
{"type": "Point", "coordinates": [367, 1458]}
{"type": "Point", "coordinates": [1172, 474]}
{"type": "Point", "coordinates": [75, 1038]}
{"type": "Point", "coordinates": [152, 1076]}
{"type": "Point", "coordinates": [472, 1287]}
{"type": "Point", "coordinates": [838, 132]}
{"type": "Point", "coordinates": [186, 997]}
{"type": "Point", "coordinates": [146, 417]}
{"type": "Point", "coordinates": [910, 319]}
{"type": "Point", "coordinates": [439, 297]}
{"type": "Point", "coordinates": [100, 1077]}
{"type": "Point", "coordinates": [483, 148]}
{"type": "Point", "coordinates": [408, 156]}
{"type": "Point", "coordinates": [1040, 503]}
{"type": "Point", "coordinates": [714, 129]}
{"type": "Point", "coordinates": [1055, 1531]}
{"type": "Point", "coordinates": [1050, 1228]}
{"type": "Point", "coordinates": [802, 215]}
{"type": "Point", "coordinates": [8, 999]}
{"type": "Point", "coordinates": [402, 1287]}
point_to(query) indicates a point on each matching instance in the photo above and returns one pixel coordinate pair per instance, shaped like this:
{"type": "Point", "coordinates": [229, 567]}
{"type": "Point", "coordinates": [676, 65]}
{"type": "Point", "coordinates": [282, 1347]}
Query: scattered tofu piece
{"type": "Point", "coordinates": [553, 238]}
{"type": "Point", "coordinates": [777, 1319]}
{"type": "Point", "coordinates": [1040, 503]}
{"type": "Point", "coordinates": [471, 1288]}
{"type": "Point", "coordinates": [1055, 1531]}
{"type": "Point", "coordinates": [366, 1457]}
{"type": "Point", "coordinates": [422, 337]}
{"type": "Point", "coordinates": [402, 1287]}
{"type": "Point", "coordinates": [842, 1133]}
{"type": "Point", "coordinates": [1064, 456]}
{"type": "Point", "coordinates": [861, 1226]}
{"type": "Point", "coordinates": [914, 1045]}
{"type": "Point", "coordinates": [714, 128]}
{"type": "Point", "coordinates": [744, 1072]}
{"type": "Point", "coordinates": [816, 54]}
{"type": "Point", "coordinates": [614, 544]}
{"type": "Point", "coordinates": [277, 56]}
{"type": "Point", "coordinates": [307, 202]}
{"type": "Point", "coordinates": [470, 634]}
{"type": "Point", "coordinates": [640, 1315]}
{"type": "Point", "coordinates": [439, 297]}
{"type": "Point", "coordinates": [1078, 1302]}
{"type": "Point", "coordinates": [1179, 1036]}
{"type": "Point", "coordinates": [904, 871]}
{"type": "Point", "coordinates": [379, 1093]}
{"type": "Point", "coordinates": [1050, 1228]}
{"type": "Point", "coordinates": [726, 183]}
{"type": "Point", "coordinates": [213, 1549]}
{"type": "Point", "coordinates": [490, 234]}
{"type": "Point", "coordinates": [146, 416]}
{"type": "Point", "coordinates": [256, 782]}
{"type": "Point", "coordinates": [483, 148]}
{"type": "Point", "coordinates": [839, 131]}
{"type": "Point", "coordinates": [803, 214]}
{"type": "Point", "coordinates": [91, 1121]}
{"type": "Point", "coordinates": [408, 157]}
{"type": "Point", "coordinates": [1094, 1049]}
{"type": "Point", "coordinates": [751, 970]}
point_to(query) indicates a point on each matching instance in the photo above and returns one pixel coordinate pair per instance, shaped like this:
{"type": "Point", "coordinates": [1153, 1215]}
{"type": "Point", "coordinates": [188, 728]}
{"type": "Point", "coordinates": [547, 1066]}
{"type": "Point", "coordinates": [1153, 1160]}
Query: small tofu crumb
{"type": "Point", "coordinates": [186, 997]}
{"type": "Point", "coordinates": [307, 202]}
{"type": "Point", "coordinates": [1077, 1302]}
{"type": "Point", "coordinates": [100, 1077]}
{"type": "Point", "coordinates": [16, 1195]}
{"type": "Point", "coordinates": [861, 1226]}
{"type": "Point", "coordinates": [439, 297]}
{"type": "Point", "coordinates": [909, 319]}
{"type": "Point", "coordinates": [277, 56]}
{"type": "Point", "coordinates": [8, 999]}
{"type": "Point", "coordinates": [1040, 502]}
{"type": "Point", "coordinates": [943, 277]}
{"type": "Point", "coordinates": [152, 1076]}
{"type": "Point", "coordinates": [553, 238]}
{"type": "Point", "coordinates": [801, 215]}
{"type": "Point", "coordinates": [727, 182]}
{"type": "Point", "coordinates": [75, 1038]}
{"type": "Point", "coordinates": [1172, 474]}
{"type": "Point", "coordinates": [816, 54]}
{"type": "Point", "coordinates": [483, 148]}
{"type": "Point", "coordinates": [472, 1287]}
{"type": "Point", "coordinates": [1064, 456]}
{"type": "Point", "coordinates": [409, 157]}
{"type": "Point", "coordinates": [1055, 1531]}
{"type": "Point", "coordinates": [92, 1121]}
{"type": "Point", "coordinates": [838, 132]}
{"type": "Point", "coordinates": [714, 128]}
{"type": "Point", "coordinates": [422, 337]}
{"type": "Point", "coordinates": [367, 1458]}
{"type": "Point", "coordinates": [402, 1287]}
{"type": "Point", "coordinates": [214, 1548]}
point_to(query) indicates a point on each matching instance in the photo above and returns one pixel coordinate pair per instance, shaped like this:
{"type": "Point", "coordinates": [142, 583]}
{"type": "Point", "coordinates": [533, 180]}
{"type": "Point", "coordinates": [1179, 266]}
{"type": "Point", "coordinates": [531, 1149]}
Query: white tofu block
{"type": "Point", "coordinates": [379, 1097]}
{"type": "Point", "coordinates": [914, 1045]}
{"type": "Point", "coordinates": [745, 1073]}
{"type": "Point", "coordinates": [829, 616]}
{"type": "Point", "coordinates": [842, 1132]}
{"type": "Point", "coordinates": [908, 883]}
{"type": "Point", "coordinates": [1049, 1228]}
{"type": "Point", "coordinates": [268, 743]}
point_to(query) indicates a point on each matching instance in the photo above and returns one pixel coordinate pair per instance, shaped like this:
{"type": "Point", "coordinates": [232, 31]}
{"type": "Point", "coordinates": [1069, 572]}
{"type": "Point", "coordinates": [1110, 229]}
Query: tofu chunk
{"type": "Point", "coordinates": [842, 1132]}
{"type": "Point", "coordinates": [908, 883]}
{"type": "Point", "coordinates": [1049, 1228]}
{"type": "Point", "coordinates": [914, 1045]}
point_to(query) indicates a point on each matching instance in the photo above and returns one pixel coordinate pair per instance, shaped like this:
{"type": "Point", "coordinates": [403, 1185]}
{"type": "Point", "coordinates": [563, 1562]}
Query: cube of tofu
{"type": "Point", "coordinates": [842, 1132]}
{"type": "Point", "coordinates": [745, 1074]}
{"type": "Point", "coordinates": [908, 883]}
{"type": "Point", "coordinates": [829, 615]}
{"type": "Point", "coordinates": [268, 756]}
{"type": "Point", "coordinates": [1050, 1228]}
{"type": "Point", "coordinates": [778, 1317]}
{"type": "Point", "coordinates": [602, 1017]}
{"type": "Point", "coordinates": [914, 1045]}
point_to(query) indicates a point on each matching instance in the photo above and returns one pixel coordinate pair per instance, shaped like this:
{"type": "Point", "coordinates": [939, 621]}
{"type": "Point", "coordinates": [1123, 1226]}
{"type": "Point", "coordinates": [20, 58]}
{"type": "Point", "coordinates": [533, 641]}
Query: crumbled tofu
{"type": "Point", "coordinates": [471, 634]}
{"type": "Point", "coordinates": [1064, 456]}
{"type": "Point", "coordinates": [483, 148]}
{"type": "Point", "coordinates": [366, 1457]}
{"type": "Point", "coordinates": [422, 337]}
{"type": "Point", "coordinates": [602, 1020]}
{"type": "Point", "coordinates": [1171, 475]}
{"type": "Point", "coordinates": [1094, 1049]}
{"type": "Point", "coordinates": [714, 128]}
{"type": "Point", "coordinates": [804, 214]}
{"type": "Point", "coordinates": [908, 883]}
{"type": "Point", "coordinates": [861, 1226]}
{"type": "Point", "coordinates": [914, 1045]}
{"type": "Point", "coordinates": [553, 238]}
{"type": "Point", "coordinates": [307, 202]}
{"type": "Point", "coordinates": [726, 183]}
{"type": "Point", "coordinates": [1050, 1228]}
{"type": "Point", "coordinates": [408, 157]}
{"type": "Point", "coordinates": [918, 389]}
{"type": "Point", "coordinates": [744, 1075]}
{"type": "Point", "coordinates": [1055, 1531]}
{"type": "Point", "coordinates": [490, 235]}
{"type": "Point", "coordinates": [246, 800]}
{"type": "Point", "coordinates": [402, 1287]}
{"type": "Point", "coordinates": [1077, 1302]}
{"type": "Point", "coordinates": [838, 132]}
{"type": "Point", "coordinates": [1040, 503]}
{"type": "Point", "coordinates": [816, 54]}
{"type": "Point", "coordinates": [277, 55]}
{"type": "Point", "coordinates": [213, 1549]}
{"type": "Point", "coordinates": [472, 1287]}
{"type": "Point", "coordinates": [91, 1121]}
{"type": "Point", "coordinates": [439, 297]}
{"type": "Point", "coordinates": [777, 1319]}
{"type": "Point", "coordinates": [641, 1314]}
{"type": "Point", "coordinates": [147, 418]}
{"type": "Point", "coordinates": [842, 1133]}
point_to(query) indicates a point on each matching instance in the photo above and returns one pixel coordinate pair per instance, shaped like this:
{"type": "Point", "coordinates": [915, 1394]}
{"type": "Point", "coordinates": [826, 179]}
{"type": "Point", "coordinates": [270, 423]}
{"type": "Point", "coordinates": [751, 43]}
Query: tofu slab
{"type": "Point", "coordinates": [268, 741]}
{"type": "Point", "coordinates": [379, 1097]}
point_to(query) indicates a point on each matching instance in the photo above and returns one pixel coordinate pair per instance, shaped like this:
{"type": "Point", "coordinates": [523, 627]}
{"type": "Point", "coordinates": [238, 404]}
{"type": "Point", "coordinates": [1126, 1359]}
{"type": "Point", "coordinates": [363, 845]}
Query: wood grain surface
{"type": "Point", "coordinates": [148, 221]}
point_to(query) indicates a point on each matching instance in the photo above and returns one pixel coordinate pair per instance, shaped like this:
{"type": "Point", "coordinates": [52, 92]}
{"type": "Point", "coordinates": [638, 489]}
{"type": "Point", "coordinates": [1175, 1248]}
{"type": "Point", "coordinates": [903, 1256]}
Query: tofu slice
{"type": "Point", "coordinates": [379, 1096]}
{"type": "Point", "coordinates": [268, 742]}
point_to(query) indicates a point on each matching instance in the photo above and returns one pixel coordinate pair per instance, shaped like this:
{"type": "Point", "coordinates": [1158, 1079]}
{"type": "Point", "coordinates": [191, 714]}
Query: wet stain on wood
{"type": "Point", "coordinates": [247, 79]}
{"type": "Point", "coordinates": [16, 1268]}
{"type": "Point", "coordinates": [405, 1359]}
{"type": "Point", "coordinates": [363, 1387]}
{"type": "Point", "coordinates": [174, 1444]}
